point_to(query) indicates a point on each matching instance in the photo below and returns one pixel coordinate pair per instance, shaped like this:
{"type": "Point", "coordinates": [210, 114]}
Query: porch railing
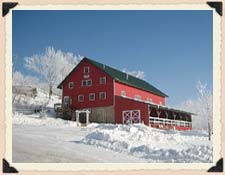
{"type": "Point", "coordinates": [164, 121]}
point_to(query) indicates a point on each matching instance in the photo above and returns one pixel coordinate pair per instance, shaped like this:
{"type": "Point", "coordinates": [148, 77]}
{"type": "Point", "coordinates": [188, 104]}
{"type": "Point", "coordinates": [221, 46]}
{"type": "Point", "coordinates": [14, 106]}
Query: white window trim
{"type": "Point", "coordinates": [87, 68]}
{"type": "Point", "coordinates": [78, 98]}
{"type": "Point", "coordinates": [90, 95]}
{"type": "Point", "coordinates": [149, 99]}
{"type": "Point", "coordinates": [137, 97]}
{"type": "Point", "coordinates": [86, 82]}
{"type": "Point", "coordinates": [90, 81]}
{"type": "Point", "coordinates": [100, 95]}
{"type": "Point", "coordinates": [83, 83]}
{"type": "Point", "coordinates": [123, 94]}
{"type": "Point", "coordinates": [71, 82]}
{"type": "Point", "coordinates": [67, 98]}
{"type": "Point", "coordinates": [101, 79]}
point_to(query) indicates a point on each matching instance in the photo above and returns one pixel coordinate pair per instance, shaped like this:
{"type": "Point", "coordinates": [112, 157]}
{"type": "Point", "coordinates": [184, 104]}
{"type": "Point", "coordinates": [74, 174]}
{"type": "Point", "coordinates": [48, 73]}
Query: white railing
{"type": "Point", "coordinates": [163, 121]}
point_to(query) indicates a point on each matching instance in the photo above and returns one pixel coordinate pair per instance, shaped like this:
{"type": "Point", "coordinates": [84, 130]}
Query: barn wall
{"type": "Point", "coordinates": [131, 91]}
{"type": "Point", "coordinates": [183, 128]}
{"type": "Point", "coordinates": [102, 115]}
{"type": "Point", "coordinates": [180, 128]}
{"type": "Point", "coordinates": [129, 104]}
{"type": "Point", "coordinates": [95, 74]}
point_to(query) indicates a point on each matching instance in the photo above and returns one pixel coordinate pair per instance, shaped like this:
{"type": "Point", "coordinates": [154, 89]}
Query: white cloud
{"type": "Point", "coordinates": [139, 74]}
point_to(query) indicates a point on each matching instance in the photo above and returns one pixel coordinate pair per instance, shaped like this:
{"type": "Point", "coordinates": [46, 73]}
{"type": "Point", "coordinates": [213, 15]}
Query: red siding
{"type": "Point", "coordinates": [183, 128]}
{"type": "Point", "coordinates": [77, 77]}
{"type": "Point", "coordinates": [113, 94]}
{"type": "Point", "coordinates": [123, 104]}
{"type": "Point", "coordinates": [131, 91]}
{"type": "Point", "coordinates": [180, 128]}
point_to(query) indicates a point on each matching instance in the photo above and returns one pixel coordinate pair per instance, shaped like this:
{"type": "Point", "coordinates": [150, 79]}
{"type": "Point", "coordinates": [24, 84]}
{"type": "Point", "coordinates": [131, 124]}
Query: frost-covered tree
{"type": "Point", "coordinates": [138, 73]}
{"type": "Point", "coordinates": [52, 66]}
{"type": "Point", "coordinates": [202, 107]}
{"type": "Point", "coordinates": [19, 79]}
{"type": "Point", "coordinates": [23, 80]}
{"type": "Point", "coordinates": [206, 101]}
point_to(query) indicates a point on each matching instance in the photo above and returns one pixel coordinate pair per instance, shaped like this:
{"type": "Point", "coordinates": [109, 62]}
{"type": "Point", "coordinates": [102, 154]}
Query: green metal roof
{"type": "Point", "coordinates": [122, 77]}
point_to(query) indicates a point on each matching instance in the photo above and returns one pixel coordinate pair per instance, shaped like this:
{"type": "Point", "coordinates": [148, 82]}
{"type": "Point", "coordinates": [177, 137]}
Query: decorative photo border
{"type": "Point", "coordinates": [218, 92]}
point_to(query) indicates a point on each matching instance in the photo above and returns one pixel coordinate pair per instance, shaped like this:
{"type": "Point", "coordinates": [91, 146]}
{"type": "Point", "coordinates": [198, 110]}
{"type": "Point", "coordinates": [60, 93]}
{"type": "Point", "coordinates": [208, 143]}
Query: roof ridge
{"type": "Point", "coordinates": [124, 73]}
{"type": "Point", "coordinates": [119, 76]}
{"type": "Point", "coordinates": [116, 69]}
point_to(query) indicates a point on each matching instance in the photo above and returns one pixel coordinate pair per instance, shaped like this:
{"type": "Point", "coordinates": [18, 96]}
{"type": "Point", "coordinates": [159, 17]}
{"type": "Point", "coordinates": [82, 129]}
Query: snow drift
{"type": "Point", "coordinates": [151, 144]}
{"type": "Point", "coordinates": [144, 143]}
{"type": "Point", "coordinates": [35, 119]}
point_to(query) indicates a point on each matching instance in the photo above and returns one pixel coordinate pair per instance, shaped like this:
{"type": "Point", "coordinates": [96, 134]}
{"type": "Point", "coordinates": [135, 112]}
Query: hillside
{"type": "Point", "coordinates": [98, 142]}
{"type": "Point", "coordinates": [30, 98]}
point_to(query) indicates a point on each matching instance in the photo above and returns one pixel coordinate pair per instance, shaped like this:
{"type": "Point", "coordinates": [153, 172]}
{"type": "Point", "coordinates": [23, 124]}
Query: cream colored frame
{"type": "Point", "coordinates": [218, 92]}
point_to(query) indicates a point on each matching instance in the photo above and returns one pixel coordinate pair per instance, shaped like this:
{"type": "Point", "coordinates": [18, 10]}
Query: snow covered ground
{"type": "Point", "coordinates": [151, 144]}
{"type": "Point", "coordinates": [53, 140]}
{"type": "Point", "coordinates": [41, 137]}
{"type": "Point", "coordinates": [41, 120]}
{"type": "Point", "coordinates": [49, 140]}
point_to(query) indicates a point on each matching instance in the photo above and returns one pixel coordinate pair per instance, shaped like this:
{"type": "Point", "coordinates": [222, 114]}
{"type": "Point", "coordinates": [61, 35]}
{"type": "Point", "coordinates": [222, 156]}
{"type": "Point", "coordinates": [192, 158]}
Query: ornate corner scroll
{"type": "Point", "coordinates": [6, 6]}
{"type": "Point", "coordinates": [6, 168]}
{"type": "Point", "coordinates": [218, 6]}
{"type": "Point", "coordinates": [218, 167]}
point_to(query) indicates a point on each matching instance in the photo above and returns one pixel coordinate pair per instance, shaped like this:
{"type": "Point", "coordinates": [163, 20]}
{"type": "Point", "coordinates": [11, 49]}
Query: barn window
{"type": "Point", "coordinates": [86, 82]}
{"type": "Point", "coordinates": [102, 95]}
{"type": "Point", "coordinates": [89, 82]}
{"type": "Point", "coordinates": [92, 97]}
{"type": "Point", "coordinates": [71, 85]}
{"type": "Point", "coordinates": [102, 80]}
{"type": "Point", "coordinates": [86, 69]}
{"type": "Point", "coordinates": [66, 100]}
{"type": "Point", "coordinates": [137, 97]}
{"type": "Point", "coordinates": [80, 98]}
{"type": "Point", "coordinates": [123, 93]}
{"type": "Point", "coordinates": [149, 100]}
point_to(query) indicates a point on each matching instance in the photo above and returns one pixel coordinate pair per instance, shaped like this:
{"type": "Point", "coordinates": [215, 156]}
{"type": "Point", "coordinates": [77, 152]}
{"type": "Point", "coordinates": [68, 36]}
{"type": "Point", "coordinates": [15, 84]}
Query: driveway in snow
{"type": "Point", "coordinates": [52, 140]}
{"type": "Point", "coordinates": [41, 144]}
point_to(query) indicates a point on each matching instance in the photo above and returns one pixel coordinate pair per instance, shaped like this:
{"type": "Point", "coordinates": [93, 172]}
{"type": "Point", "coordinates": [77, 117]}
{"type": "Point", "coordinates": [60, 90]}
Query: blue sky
{"type": "Point", "coordinates": [173, 48]}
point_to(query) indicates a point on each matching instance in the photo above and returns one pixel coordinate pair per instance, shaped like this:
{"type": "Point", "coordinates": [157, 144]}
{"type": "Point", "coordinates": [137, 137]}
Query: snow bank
{"type": "Point", "coordinates": [34, 119]}
{"type": "Point", "coordinates": [42, 99]}
{"type": "Point", "coordinates": [152, 144]}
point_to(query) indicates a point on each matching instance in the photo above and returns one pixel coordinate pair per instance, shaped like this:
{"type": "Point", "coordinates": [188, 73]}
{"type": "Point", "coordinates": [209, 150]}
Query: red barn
{"type": "Point", "coordinates": [116, 97]}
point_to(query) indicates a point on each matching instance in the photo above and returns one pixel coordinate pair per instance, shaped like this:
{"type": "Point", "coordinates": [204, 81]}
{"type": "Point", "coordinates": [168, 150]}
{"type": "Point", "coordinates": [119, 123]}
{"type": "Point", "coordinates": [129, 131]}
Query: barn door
{"type": "Point", "coordinates": [131, 116]}
{"type": "Point", "coordinates": [66, 101]}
